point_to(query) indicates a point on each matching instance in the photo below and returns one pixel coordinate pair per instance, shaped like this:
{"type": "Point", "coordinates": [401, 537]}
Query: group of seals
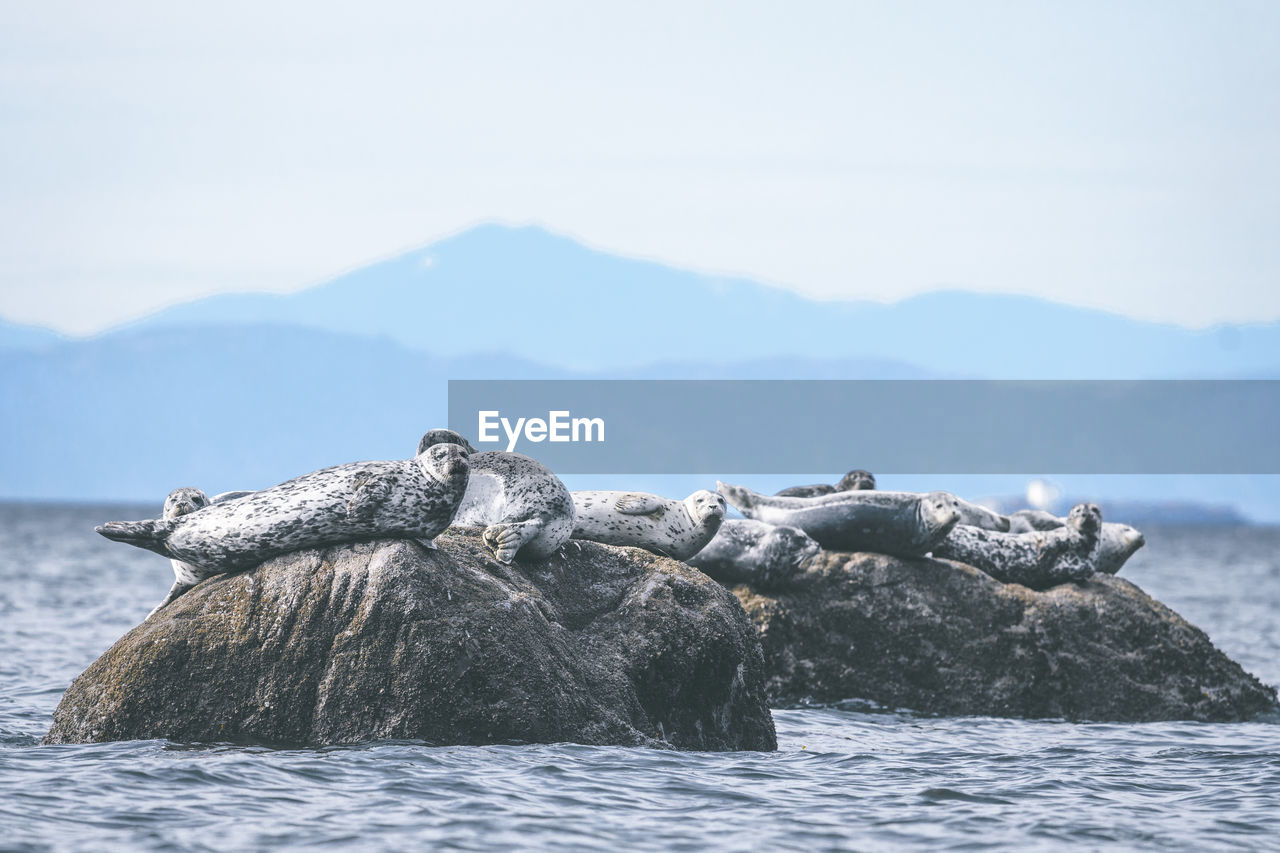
{"type": "Point", "coordinates": [904, 524]}
{"type": "Point", "coordinates": [526, 511]}
{"type": "Point", "coordinates": [1037, 559]}
{"type": "Point", "coordinates": [1116, 542]}
{"type": "Point", "coordinates": [522, 505]}
{"type": "Point", "coordinates": [855, 480]}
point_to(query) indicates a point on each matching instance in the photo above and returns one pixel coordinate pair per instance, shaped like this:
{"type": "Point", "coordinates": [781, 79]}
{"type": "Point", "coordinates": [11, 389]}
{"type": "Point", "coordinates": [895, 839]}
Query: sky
{"type": "Point", "coordinates": [1120, 155]}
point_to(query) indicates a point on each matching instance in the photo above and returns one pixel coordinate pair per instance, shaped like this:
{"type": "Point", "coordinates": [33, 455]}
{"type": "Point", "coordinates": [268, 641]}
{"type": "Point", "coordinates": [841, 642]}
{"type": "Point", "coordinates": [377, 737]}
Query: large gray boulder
{"type": "Point", "coordinates": [942, 637]}
{"type": "Point", "coordinates": [596, 645]}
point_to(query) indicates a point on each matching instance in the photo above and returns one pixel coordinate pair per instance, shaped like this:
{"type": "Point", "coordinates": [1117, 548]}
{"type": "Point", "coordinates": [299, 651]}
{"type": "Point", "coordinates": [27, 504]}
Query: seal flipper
{"type": "Point", "coordinates": [507, 539]}
{"type": "Point", "coordinates": [176, 590]}
{"type": "Point", "coordinates": [144, 534]}
{"type": "Point", "coordinates": [368, 497]}
{"type": "Point", "coordinates": [635, 503]}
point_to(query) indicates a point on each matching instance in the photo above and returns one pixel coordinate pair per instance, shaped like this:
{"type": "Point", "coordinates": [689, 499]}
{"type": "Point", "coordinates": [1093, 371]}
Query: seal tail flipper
{"type": "Point", "coordinates": [507, 539]}
{"type": "Point", "coordinates": [143, 534]}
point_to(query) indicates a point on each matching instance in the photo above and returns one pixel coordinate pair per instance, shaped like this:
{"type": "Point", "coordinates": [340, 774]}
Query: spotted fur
{"type": "Point", "coordinates": [1116, 543]}
{"type": "Point", "coordinates": [672, 528]}
{"type": "Point", "coordinates": [1039, 559]}
{"type": "Point", "coordinates": [414, 498]}
{"type": "Point", "coordinates": [904, 524]}
{"type": "Point", "coordinates": [753, 552]}
{"type": "Point", "coordinates": [522, 505]}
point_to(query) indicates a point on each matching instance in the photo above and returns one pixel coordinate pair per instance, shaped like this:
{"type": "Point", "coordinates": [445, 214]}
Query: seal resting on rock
{"type": "Point", "coordinates": [1116, 542]}
{"type": "Point", "coordinates": [904, 524]}
{"type": "Point", "coordinates": [856, 480]}
{"type": "Point", "coordinates": [522, 505]}
{"type": "Point", "coordinates": [413, 498]}
{"type": "Point", "coordinates": [672, 528]}
{"type": "Point", "coordinates": [1039, 559]}
{"type": "Point", "coordinates": [756, 553]}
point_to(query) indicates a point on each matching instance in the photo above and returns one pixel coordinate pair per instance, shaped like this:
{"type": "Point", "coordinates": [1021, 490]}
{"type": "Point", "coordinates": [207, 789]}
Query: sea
{"type": "Point", "coordinates": [843, 778]}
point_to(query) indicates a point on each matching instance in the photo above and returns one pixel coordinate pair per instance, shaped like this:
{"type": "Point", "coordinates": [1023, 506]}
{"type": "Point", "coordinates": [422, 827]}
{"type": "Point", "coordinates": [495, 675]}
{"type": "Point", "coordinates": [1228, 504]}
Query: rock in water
{"type": "Point", "coordinates": [596, 644]}
{"type": "Point", "coordinates": [942, 637]}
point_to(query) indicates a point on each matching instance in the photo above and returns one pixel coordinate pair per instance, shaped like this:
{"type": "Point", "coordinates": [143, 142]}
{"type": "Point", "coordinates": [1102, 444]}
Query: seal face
{"type": "Point", "coordinates": [414, 498]}
{"type": "Point", "coordinates": [524, 507]}
{"type": "Point", "coordinates": [855, 480]}
{"type": "Point", "coordinates": [1038, 559]}
{"type": "Point", "coordinates": [904, 524]}
{"type": "Point", "coordinates": [753, 552]}
{"type": "Point", "coordinates": [677, 529]}
{"type": "Point", "coordinates": [1116, 542]}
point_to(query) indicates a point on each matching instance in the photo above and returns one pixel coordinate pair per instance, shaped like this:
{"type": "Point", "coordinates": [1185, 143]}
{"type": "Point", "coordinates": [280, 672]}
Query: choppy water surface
{"type": "Point", "coordinates": [840, 779]}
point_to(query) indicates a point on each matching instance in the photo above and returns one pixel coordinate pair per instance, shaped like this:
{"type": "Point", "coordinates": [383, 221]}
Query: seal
{"type": "Point", "coordinates": [904, 524]}
{"type": "Point", "coordinates": [1116, 543]}
{"type": "Point", "coordinates": [413, 498]}
{"type": "Point", "coordinates": [855, 480]}
{"type": "Point", "coordinates": [677, 529]}
{"type": "Point", "coordinates": [1039, 559]}
{"type": "Point", "coordinates": [753, 552]}
{"type": "Point", "coordinates": [181, 501]}
{"type": "Point", "coordinates": [522, 505]}
{"type": "Point", "coordinates": [970, 513]}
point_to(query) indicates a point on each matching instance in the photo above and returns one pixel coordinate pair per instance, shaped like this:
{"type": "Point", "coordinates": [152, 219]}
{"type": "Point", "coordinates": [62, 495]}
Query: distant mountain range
{"type": "Point", "coordinates": [534, 295]}
{"type": "Point", "coordinates": [244, 390]}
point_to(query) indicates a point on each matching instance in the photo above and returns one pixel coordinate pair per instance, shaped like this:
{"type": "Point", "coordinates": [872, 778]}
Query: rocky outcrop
{"type": "Point", "coordinates": [596, 645]}
{"type": "Point", "coordinates": [943, 637]}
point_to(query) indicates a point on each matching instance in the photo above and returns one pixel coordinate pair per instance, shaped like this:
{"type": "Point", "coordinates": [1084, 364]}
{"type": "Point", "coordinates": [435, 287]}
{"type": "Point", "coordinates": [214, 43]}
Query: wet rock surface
{"type": "Point", "coordinates": [595, 645]}
{"type": "Point", "coordinates": [942, 637]}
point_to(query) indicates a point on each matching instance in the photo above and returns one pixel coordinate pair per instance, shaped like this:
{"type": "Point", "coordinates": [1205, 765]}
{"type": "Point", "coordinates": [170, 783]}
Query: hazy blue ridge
{"type": "Point", "coordinates": [132, 415]}
{"type": "Point", "coordinates": [15, 336]}
{"type": "Point", "coordinates": [549, 299]}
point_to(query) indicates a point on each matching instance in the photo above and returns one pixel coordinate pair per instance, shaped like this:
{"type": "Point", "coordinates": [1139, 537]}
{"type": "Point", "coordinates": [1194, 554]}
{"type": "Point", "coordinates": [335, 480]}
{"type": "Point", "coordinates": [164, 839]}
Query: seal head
{"type": "Point", "coordinates": [706, 509]}
{"type": "Point", "coordinates": [444, 436]}
{"type": "Point", "coordinates": [856, 480]}
{"type": "Point", "coordinates": [184, 500]}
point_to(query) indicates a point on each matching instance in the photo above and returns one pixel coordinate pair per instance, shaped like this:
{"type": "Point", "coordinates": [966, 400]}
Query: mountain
{"type": "Point", "coordinates": [18, 337]}
{"type": "Point", "coordinates": [131, 416]}
{"type": "Point", "coordinates": [545, 298]}
{"type": "Point", "coordinates": [245, 390]}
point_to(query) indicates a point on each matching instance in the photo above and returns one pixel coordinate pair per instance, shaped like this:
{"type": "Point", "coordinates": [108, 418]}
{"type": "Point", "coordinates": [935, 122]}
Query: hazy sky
{"type": "Point", "coordinates": [1116, 154]}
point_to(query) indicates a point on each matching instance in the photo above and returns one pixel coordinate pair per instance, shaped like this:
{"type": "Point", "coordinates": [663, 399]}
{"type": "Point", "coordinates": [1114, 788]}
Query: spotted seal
{"type": "Point", "coordinates": [1039, 559]}
{"type": "Point", "coordinates": [672, 528]}
{"type": "Point", "coordinates": [903, 524]}
{"type": "Point", "coordinates": [413, 498]}
{"type": "Point", "coordinates": [1116, 542]}
{"type": "Point", "coordinates": [748, 551]}
{"type": "Point", "coordinates": [769, 507]}
{"type": "Point", "coordinates": [522, 505]}
{"type": "Point", "coordinates": [855, 481]}
{"type": "Point", "coordinates": [181, 501]}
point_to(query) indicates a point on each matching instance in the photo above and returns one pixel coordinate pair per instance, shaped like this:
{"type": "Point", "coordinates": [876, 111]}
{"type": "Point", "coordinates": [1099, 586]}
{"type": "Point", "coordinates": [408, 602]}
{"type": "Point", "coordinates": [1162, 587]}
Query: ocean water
{"type": "Point", "coordinates": [841, 779]}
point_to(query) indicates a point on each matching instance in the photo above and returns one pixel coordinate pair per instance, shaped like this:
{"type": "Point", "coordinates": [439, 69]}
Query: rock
{"type": "Point", "coordinates": [595, 645]}
{"type": "Point", "coordinates": [942, 637]}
